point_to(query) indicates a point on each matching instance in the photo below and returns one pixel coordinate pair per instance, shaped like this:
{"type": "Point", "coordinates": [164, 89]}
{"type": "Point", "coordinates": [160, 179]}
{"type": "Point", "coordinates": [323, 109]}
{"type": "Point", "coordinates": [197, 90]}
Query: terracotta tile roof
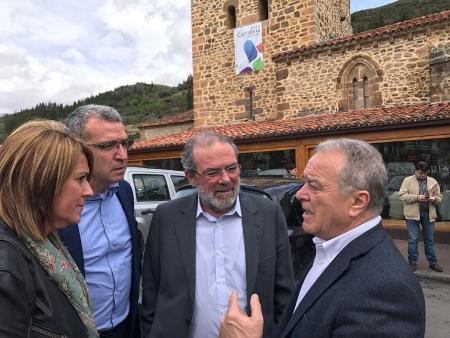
{"type": "Point", "coordinates": [173, 119]}
{"type": "Point", "coordinates": [380, 32]}
{"type": "Point", "coordinates": [330, 123]}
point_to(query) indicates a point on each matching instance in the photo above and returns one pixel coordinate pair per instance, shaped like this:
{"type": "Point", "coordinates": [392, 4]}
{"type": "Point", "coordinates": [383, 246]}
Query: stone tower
{"type": "Point", "coordinates": [221, 96]}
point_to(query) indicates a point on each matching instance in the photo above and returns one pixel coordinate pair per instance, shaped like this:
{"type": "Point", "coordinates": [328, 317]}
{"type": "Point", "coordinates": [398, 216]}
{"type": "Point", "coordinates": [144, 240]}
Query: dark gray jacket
{"type": "Point", "coordinates": [169, 264]}
{"type": "Point", "coordinates": [368, 290]}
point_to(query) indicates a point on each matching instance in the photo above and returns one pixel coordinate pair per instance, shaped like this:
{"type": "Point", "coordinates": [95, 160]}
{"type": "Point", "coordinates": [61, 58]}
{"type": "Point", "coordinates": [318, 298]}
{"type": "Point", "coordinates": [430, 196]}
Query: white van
{"type": "Point", "coordinates": [150, 188]}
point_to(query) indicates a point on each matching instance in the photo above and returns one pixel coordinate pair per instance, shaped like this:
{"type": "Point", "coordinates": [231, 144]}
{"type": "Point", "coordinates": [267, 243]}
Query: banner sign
{"type": "Point", "coordinates": [248, 48]}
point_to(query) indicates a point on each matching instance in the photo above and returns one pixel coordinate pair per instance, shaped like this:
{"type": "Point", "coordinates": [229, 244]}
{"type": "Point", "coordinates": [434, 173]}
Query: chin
{"type": "Point", "coordinates": [309, 229]}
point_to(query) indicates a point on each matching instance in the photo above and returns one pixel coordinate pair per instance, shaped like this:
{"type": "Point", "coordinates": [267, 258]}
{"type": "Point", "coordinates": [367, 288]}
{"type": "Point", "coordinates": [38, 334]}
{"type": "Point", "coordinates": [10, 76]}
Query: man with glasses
{"type": "Point", "coordinates": [105, 243]}
{"type": "Point", "coordinates": [202, 247]}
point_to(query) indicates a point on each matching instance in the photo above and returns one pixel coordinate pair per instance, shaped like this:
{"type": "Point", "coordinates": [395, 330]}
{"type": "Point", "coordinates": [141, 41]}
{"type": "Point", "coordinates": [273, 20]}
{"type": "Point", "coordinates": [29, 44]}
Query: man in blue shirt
{"type": "Point", "coordinates": [105, 244]}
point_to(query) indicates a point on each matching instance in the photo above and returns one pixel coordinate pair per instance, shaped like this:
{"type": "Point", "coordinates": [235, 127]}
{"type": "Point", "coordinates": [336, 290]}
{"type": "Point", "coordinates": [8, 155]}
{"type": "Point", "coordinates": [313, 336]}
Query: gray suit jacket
{"type": "Point", "coordinates": [169, 264]}
{"type": "Point", "coordinates": [367, 291]}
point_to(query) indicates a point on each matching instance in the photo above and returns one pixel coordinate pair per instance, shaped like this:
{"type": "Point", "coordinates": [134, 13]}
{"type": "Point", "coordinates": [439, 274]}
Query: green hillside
{"type": "Point", "coordinates": [400, 10]}
{"type": "Point", "coordinates": [136, 103]}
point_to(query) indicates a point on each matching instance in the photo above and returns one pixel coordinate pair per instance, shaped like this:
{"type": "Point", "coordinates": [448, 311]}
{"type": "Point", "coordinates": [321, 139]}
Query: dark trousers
{"type": "Point", "coordinates": [119, 331]}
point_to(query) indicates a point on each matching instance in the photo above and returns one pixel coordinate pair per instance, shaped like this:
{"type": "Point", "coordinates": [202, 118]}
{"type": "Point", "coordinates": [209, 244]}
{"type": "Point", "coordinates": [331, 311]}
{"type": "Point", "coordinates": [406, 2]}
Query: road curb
{"type": "Point", "coordinates": [443, 277]}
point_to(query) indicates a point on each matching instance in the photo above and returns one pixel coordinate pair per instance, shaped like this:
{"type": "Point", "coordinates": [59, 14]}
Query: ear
{"type": "Point", "coordinates": [360, 202]}
{"type": "Point", "coordinates": [191, 177]}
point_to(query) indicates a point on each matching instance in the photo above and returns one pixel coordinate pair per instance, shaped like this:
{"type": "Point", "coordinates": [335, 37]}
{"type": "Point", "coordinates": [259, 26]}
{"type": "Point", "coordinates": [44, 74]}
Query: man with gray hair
{"type": "Point", "coordinates": [105, 243]}
{"type": "Point", "coordinates": [359, 285]}
{"type": "Point", "coordinates": [202, 247]}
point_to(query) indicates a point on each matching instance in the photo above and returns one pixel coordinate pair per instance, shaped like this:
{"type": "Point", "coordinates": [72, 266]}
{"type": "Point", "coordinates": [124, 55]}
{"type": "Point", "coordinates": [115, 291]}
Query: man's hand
{"type": "Point", "coordinates": [236, 323]}
{"type": "Point", "coordinates": [423, 198]}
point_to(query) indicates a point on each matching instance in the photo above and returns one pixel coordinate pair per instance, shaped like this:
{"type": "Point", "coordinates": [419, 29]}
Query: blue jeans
{"type": "Point", "coordinates": [428, 238]}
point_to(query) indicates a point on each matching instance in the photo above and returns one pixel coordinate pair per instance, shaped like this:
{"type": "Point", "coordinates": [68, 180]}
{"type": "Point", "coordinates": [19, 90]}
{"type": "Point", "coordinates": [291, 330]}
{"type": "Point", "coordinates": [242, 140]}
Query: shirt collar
{"type": "Point", "coordinates": [335, 245]}
{"type": "Point", "coordinates": [110, 191]}
{"type": "Point", "coordinates": [235, 210]}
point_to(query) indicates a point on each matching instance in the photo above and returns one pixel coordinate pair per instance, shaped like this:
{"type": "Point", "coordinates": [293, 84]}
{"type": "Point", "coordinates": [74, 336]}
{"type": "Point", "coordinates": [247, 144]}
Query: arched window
{"type": "Point", "coordinates": [366, 92]}
{"type": "Point", "coordinates": [359, 82]}
{"type": "Point", "coordinates": [355, 94]}
{"type": "Point", "coordinates": [231, 14]}
{"type": "Point", "coordinates": [263, 10]}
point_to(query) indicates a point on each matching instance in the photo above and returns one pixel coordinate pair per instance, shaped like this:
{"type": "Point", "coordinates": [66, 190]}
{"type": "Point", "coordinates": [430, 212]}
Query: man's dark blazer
{"type": "Point", "coordinates": [368, 290]}
{"type": "Point", "coordinates": [71, 238]}
{"type": "Point", "coordinates": [169, 264]}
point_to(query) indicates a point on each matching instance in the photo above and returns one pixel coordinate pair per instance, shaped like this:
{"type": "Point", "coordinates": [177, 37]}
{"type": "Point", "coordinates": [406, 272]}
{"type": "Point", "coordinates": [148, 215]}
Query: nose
{"type": "Point", "coordinates": [121, 153]}
{"type": "Point", "coordinates": [301, 194]}
{"type": "Point", "coordinates": [224, 177]}
{"type": "Point", "coordinates": [87, 189]}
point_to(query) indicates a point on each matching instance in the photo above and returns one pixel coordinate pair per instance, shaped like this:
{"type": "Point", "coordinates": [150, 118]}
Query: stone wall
{"type": "Point", "coordinates": [149, 133]}
{"type": "Point", "coordinates": [400, 67]}
{"type": "Point", "coordinates": [440, 73]}
{"type": "Point", "coordinates": [333, 19]}
{"type": "Point", "coordinates": [220, 96]}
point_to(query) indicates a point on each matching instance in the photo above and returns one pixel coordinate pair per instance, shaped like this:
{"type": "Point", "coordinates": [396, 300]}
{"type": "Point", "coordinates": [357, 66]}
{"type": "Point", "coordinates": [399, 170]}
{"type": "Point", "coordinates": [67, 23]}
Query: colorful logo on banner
{"type": "Point", "coordinates": [248, 48]}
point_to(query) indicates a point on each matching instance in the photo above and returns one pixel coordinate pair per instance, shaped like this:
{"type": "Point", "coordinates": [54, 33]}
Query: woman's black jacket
{"type": "Point", "coordinates": [31, 305]}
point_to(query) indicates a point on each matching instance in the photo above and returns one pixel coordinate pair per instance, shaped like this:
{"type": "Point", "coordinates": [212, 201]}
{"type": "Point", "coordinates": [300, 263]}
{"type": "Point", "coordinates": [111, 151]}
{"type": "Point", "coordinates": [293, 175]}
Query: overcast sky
{"type": "Point", "coordinates": [65, 50]}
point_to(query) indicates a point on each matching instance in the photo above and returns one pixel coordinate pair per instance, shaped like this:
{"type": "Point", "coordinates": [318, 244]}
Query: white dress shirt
{"type": "Point", "coordinates": [219, 269]}
{"type": "Point", "coordinates": [326, 252]}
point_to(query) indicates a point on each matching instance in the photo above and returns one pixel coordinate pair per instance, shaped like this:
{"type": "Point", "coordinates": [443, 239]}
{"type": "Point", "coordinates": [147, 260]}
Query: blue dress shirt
{"type": "Point", "coordinates": [107, 255]}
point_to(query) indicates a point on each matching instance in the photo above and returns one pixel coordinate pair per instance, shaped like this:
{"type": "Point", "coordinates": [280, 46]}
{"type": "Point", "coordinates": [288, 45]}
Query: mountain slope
{"type": "Point", "coordinates": [400, 10]}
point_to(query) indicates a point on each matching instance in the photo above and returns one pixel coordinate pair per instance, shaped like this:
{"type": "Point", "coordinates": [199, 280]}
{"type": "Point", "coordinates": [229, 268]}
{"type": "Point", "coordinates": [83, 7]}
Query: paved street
{"type": "Point", "coordinates": [437, 299]}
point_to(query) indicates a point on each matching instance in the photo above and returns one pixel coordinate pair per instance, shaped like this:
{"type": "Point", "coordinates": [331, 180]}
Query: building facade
{"type": "Point", "coordinates": [389, 86]}
{"type": "Point", "coordinates": [222, 97]}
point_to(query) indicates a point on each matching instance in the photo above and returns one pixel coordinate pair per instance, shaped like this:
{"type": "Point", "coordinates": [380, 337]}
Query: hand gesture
{"type": "Point", "coordinates": [236, 323]}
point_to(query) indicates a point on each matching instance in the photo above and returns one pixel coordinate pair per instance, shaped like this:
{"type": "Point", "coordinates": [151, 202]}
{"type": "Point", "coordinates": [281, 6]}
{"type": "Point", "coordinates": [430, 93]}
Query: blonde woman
{"type": "Point", "coordinates": [44, 175]}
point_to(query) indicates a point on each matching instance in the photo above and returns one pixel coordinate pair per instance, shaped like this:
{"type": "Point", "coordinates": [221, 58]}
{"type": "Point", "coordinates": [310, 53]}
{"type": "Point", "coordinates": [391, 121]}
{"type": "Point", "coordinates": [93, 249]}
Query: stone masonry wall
{"type": "Point", "coordinates": [333, 19]}
{"type": "Point", "coordinates": [220, 96]}
{"type": "Point", "coordinates": [440, 73]}
{"type": "Point", "coordinates": [309, 83]}
{"type": "Point", "coordinates": [149, 133]}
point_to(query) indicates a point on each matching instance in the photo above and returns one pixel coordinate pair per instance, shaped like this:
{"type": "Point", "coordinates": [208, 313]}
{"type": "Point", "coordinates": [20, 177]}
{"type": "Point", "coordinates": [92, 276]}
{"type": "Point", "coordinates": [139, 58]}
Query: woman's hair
{"type": "Point", "coordinates": [36, 160]}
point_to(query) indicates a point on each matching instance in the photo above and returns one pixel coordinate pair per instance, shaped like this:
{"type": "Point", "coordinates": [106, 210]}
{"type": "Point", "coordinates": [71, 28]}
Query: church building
{"type": "Point", "coordinates": [279, 76]}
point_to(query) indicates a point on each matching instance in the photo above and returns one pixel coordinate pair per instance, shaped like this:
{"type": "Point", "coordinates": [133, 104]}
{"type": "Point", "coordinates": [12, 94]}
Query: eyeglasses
{"type": "Point", "coordinates": [108, 146]}
{"type": "Point", "coordinates": [213, 173]}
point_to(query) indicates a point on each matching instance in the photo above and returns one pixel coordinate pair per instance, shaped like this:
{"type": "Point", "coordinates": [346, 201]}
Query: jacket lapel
{"type": "Point", "coordinates": [287, 313]}
{"type": "Point", "coordinates": [184, 223]}
{"type": "Point", "coordinates": [338, 266]}
{"type": "Point", "coordinates": [126, 201]}
{"type": "Point", "coordinates": [251, 225]}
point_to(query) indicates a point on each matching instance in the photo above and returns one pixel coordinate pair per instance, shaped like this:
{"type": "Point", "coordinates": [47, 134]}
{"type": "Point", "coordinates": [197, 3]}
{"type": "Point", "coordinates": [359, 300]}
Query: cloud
{"type": "Point", "coordinates": [62, 50]}
{"type": "Point", "coordinates": [74, 55]}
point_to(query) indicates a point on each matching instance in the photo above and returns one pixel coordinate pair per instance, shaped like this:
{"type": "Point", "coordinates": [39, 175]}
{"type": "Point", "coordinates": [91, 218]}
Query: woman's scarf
{"type": "Point", "coordinates": [61, 268]}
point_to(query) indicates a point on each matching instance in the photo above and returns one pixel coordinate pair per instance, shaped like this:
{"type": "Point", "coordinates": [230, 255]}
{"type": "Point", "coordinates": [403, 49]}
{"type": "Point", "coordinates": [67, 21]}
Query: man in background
{"type": "Point", "coordinates": [420, 195]}
{"type": "Point", "coordinates": [359, 285]}
{"type": "Point", "coordinates": [105, 243]}
{"type": "Point", "coordinates": [203, 246]}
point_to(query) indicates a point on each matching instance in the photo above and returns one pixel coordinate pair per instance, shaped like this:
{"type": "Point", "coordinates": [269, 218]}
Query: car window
{"type": "Point", "coordinates": [178, 181]}
{"type": "Point", "coordinates": [395, 183]}
{"type": "Point", "coordinates": [150, 188]}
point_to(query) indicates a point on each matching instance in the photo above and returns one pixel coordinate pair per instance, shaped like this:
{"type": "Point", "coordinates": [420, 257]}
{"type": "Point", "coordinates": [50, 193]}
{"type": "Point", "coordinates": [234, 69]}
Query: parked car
{"type": "Point", "coordinates": [151, 187]}
{"type": "Point", "coordinates": [393, 206]}
{"type": "Point", "coordinates": [282, 191]}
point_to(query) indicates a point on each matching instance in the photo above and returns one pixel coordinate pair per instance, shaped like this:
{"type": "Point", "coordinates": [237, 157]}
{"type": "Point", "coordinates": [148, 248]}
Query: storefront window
{"type": "Point", "coordinates": [270, 163]}
{"type": "Point", "coordinates": [400, 159]}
